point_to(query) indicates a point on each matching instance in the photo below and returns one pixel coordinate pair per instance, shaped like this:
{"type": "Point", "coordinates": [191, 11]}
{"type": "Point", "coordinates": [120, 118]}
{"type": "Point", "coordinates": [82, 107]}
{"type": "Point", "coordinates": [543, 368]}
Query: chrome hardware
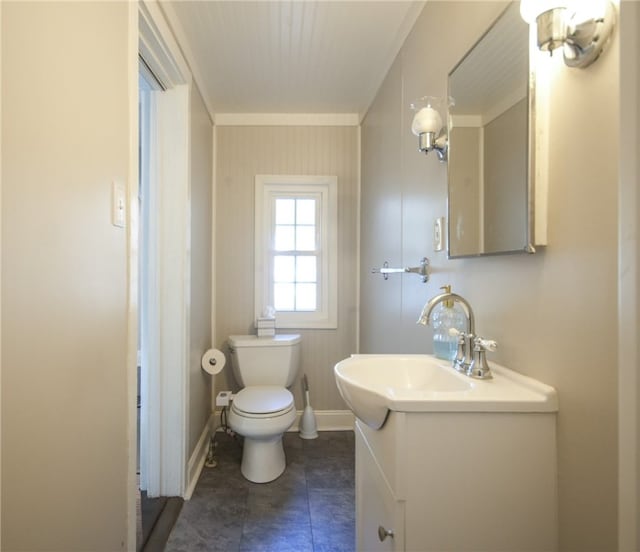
{"type": "Point", "coordinates": [479, 368]}
{"type": "Point", "coordinates": [470, 357]}
{"type": "Point", "coordinates": [428, 141]}
{"type": "Point", "coordinates": [426, 311]}
{"type": "Point", "coordinates": [463, 356]}
{"type": "Point", "coordinates": [384, 533]}
{"type": "Point", "coordinates": [422, 270]}
{"type": "Point", "coordinates": [471, 354]}
{"type": "Point", "coordinates": [458, 361]}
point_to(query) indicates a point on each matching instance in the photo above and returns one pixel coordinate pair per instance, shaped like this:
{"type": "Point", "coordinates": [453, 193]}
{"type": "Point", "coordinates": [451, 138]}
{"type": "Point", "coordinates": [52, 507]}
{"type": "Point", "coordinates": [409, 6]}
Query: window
{"type": "Point", "coordinates": [296, 250]}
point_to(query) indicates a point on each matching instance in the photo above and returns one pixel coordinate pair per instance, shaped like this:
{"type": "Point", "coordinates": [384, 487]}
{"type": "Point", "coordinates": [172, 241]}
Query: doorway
{"type": "Point", "coordinates": [149, 508]}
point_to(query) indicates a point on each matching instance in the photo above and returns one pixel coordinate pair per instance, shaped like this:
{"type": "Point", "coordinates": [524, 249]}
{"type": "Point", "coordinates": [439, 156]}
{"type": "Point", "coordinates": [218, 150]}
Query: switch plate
{"type": "Point", "coordinates": [438, 234]}
{"type": "Point", "coordinates": [118, 204]}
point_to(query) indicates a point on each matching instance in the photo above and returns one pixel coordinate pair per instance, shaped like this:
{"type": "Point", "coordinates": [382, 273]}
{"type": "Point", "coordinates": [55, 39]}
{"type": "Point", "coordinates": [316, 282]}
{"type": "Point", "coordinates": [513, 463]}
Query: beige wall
{"type": "Point", "coordinates": [65, 408]}
{"type": "Point", "coordinates": [200, 323]}
{"type": "Point", "coordinates": [554, 313]}
{"type": "Point", "coordinates": [241, 153]}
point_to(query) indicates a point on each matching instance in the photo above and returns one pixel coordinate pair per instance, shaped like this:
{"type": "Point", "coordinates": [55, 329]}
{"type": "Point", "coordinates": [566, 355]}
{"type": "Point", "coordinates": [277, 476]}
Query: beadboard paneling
{"type": "Point", "coordinates": [201, 220]}
{"type": "Point", "coordinates": [290, 56]}
{"type": "Point", "coordinates": [243, 152]}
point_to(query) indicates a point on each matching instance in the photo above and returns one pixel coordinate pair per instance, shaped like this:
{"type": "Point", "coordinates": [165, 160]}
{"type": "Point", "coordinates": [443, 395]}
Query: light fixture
{"type": "Point", "coordinates": [427, 126]}
{"type": "Point", "coordinates": [581, 27]}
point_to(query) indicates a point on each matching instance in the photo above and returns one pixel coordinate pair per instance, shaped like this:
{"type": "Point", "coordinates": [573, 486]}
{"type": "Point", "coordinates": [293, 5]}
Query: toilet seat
{"type": "Point", "coordinates": [263, 401]}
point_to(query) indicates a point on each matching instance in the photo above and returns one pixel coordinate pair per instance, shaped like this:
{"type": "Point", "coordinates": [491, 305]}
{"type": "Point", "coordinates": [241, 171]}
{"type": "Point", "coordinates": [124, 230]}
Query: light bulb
{"type": "Point", "coordinates": [426, 119]}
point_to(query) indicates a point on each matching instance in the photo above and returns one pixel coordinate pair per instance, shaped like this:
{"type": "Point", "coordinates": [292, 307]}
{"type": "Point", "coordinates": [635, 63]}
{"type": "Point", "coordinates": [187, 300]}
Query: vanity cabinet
{"type": "Point", "coordinates": [376, 505]}
{"type": "Point", "coordinates": [457, 481]}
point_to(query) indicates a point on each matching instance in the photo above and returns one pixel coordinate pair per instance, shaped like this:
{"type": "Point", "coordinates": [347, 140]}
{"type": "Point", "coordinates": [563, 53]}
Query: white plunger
{"type": "Point", "coordinates": [308, 427]}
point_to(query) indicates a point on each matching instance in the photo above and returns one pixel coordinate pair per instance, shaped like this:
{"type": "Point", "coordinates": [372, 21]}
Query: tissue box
{"type": "Point", "coordinates": [265, 323]}
{"type": "Point", "coordinates": [266, 332]}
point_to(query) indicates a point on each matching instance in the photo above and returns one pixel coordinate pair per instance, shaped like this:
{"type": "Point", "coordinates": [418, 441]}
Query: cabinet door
{"type": "Point", "coordinates": [377, 511]}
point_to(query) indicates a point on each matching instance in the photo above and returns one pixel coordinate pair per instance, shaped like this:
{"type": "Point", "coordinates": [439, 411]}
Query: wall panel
{"type": "Point", "coordinates": [554, 314]}
{"type": "Point", "coordinates": [200, 322]}
{"type": "Point", "coordinates": [242, 152]}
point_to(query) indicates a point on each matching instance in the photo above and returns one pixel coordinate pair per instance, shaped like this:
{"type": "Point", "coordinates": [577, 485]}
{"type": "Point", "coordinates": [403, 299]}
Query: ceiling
{"type": "Point", "coordinates": [303, 56]}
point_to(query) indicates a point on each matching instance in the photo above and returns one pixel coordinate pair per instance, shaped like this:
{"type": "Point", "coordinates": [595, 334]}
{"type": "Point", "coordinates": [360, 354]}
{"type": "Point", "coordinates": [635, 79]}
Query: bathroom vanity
{"type": "Point", "coordinates": [447, 481]}
{"type": "Point", "coordinates": [447, 463]}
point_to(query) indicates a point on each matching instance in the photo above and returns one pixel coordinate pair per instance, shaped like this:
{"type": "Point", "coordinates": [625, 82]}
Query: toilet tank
{"type": "Point", "coordinates": [265, 360]}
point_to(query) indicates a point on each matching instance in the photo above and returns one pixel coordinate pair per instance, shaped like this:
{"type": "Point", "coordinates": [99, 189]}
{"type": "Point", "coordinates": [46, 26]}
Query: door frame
{"type": "Point", "coordinates": [164, 408]}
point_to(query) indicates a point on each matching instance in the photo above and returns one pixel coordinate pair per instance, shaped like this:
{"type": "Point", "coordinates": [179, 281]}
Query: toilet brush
{"type": "Point", "coordinates": [308, 428]}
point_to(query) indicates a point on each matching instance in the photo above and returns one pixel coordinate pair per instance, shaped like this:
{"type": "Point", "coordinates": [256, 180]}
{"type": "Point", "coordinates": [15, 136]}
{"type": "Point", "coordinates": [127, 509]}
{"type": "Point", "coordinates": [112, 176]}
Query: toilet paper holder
{"type": "Point", "coordinates": [213, 361]}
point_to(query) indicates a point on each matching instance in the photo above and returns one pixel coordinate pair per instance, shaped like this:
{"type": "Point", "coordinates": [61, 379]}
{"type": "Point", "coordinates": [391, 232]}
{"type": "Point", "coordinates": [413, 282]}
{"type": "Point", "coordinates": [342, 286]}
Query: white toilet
{"type": "Point", "coordinates": [264, 409]}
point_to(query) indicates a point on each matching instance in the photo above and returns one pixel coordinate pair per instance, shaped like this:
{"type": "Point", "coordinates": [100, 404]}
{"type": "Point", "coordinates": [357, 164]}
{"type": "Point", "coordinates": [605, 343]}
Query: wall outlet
{"type": "Point", "coordinates": [223, 398]}
{"type": "Point", "coordinates": [438, 234]}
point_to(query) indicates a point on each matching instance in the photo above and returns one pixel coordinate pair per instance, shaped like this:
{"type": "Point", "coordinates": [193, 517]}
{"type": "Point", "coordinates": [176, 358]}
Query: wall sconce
{"type": "Point", "coordinates": [427, 126]}
{"type": "Point", "coordinates": [581, 27]}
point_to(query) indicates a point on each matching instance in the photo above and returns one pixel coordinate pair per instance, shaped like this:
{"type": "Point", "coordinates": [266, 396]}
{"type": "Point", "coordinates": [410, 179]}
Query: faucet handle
{"type": "Point", "coordinates": [479, 368]}
{"type": "Point", "coordinates": [486, 344]}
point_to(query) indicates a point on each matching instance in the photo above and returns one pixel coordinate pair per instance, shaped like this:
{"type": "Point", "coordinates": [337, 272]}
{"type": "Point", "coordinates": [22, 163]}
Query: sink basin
{"type": "Point", "coordinates": [373, 385]}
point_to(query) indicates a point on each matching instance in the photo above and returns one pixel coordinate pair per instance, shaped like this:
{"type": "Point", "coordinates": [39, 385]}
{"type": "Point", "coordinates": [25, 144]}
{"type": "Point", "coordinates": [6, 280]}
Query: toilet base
{"type": "Point", "coordinates": [263, 460]}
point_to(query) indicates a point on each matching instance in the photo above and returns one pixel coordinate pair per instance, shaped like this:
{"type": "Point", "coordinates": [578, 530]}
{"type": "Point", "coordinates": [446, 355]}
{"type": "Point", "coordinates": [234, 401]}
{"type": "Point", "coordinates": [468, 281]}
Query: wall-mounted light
{"type": "Point", "coordinates": [581, 27]}
{"type": "Point", "coordinates": [427, 125]}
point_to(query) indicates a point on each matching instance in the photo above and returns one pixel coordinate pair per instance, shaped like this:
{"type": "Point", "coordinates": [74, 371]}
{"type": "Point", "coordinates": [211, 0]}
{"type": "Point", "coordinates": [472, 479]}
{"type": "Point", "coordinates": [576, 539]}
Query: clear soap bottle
{"type": "Point", "coordinates": [446, 315]}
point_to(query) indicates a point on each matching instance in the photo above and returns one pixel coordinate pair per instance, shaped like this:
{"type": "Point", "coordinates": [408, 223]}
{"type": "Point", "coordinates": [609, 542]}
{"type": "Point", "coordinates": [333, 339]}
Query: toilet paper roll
{"type": "Point", "coordinates": [213, 361]}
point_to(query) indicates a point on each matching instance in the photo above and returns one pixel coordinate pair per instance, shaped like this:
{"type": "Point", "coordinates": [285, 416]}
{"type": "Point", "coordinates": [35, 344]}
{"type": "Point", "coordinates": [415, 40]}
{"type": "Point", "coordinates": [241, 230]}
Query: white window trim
{"type": "Point", "coordinates": [326, 317]}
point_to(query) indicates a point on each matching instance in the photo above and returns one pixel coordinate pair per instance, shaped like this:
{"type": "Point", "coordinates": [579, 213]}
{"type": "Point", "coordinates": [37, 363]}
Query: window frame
{"type": "Point", "coordinates": [267, 188]}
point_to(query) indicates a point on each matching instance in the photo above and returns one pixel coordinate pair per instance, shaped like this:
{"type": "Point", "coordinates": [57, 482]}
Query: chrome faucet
{"type": "Point", "coordinates": [470, 357]}
{"type": "Point", "coordinates": [449, 296]}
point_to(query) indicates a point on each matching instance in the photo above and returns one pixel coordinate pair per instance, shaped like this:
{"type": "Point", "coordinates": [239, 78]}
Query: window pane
{"type": "Point", "coordinates": [306, 211]}
{"type": "Point", "coordinates": [295, 260]}
{"type": "Point", "coordinates": [283, 297]}
{"type": "Point", "coordinates": [305, 238]}
{"type": "Point", "coordinates": [306, 297]}
{"type": "Point", "coordinates": [284, 238]}
{"type": "Point", "coordinates": [284, 268]}
{"type": "Point", "coordinates": [285, 211]}
{"type": "Point", "coordinates": [306, 269]}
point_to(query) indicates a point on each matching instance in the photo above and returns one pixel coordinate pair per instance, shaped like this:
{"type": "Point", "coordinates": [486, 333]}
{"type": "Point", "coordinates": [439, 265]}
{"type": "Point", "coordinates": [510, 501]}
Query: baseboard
{"type": "Point", "coordinates": [199, 455]}
{"type": "Point", "coordinates": [326, 420]}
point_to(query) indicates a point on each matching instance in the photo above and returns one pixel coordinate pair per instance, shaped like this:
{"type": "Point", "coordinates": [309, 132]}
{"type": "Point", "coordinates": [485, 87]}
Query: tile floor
{"type": "Point", "coordinates": [309, 508]}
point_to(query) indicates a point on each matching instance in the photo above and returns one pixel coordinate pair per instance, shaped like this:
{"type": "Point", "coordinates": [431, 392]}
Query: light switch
{"type": "Point", "coordinates": [118, 204]}
{"type": "Point", "coordinates": [438, 234]}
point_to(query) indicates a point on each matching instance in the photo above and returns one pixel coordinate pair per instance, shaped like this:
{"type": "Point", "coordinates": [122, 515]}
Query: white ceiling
{"type": "Point", "coordinates": [302, 56]}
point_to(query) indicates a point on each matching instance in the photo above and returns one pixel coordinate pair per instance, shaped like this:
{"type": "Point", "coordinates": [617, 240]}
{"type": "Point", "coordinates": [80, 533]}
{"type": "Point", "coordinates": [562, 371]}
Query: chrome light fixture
{"type": "Point", "coordinates": [427, 126]}
{"type": "Point", "coordinates": [581, 27]}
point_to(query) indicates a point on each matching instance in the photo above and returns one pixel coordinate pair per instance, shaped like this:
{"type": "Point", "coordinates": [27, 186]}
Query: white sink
{"type": "Point", "coordinates": [372, 385]}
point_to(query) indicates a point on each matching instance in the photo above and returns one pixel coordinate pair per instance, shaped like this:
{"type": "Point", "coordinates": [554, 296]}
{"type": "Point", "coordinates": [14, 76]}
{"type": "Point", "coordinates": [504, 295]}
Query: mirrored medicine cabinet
{"type": "Point", "coordinates": [491, 144]}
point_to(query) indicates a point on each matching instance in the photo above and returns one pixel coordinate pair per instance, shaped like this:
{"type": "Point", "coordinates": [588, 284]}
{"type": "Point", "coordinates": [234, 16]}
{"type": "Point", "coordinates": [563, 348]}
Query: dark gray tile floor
{"type": "Point", "coordinates": [309, 508]}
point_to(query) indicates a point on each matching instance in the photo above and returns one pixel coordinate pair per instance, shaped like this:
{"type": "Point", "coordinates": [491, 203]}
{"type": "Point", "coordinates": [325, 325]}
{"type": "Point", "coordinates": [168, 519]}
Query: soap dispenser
{"type": "Point", "coordinates": [447, 315]}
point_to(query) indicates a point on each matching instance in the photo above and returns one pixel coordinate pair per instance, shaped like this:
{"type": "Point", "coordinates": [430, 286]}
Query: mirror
{"type": "Point", "coordinates": [489, 178]}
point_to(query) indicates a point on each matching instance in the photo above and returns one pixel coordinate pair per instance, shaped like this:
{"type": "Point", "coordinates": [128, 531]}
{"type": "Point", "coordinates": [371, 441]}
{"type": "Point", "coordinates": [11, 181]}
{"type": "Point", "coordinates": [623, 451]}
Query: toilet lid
{"type": "Point", "coordinates": [263, 399]}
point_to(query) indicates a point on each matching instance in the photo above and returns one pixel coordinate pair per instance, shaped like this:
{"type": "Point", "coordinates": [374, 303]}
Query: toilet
{"type": "Point", "coordinates": [263, 409]}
